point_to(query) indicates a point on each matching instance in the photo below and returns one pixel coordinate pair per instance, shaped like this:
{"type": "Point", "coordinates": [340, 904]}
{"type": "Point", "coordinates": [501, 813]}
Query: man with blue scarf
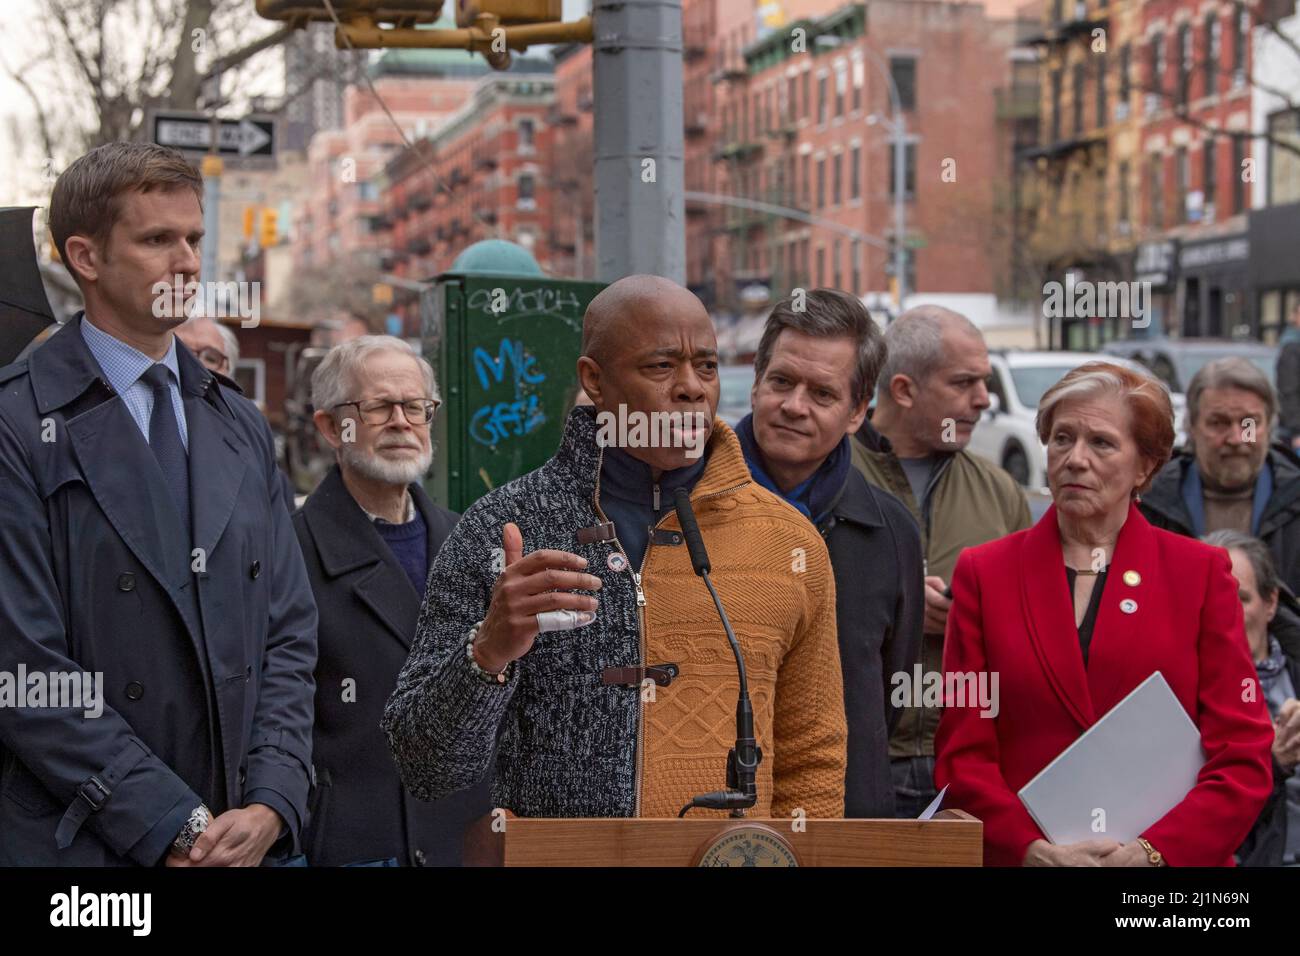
{"type": "Point", "coordinates": [1232, 478]}
{"type": "Point", "coordinates": [814, 374]}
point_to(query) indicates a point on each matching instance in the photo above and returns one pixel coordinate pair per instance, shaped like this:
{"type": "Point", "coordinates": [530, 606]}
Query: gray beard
{"type": "Point", "coordinates": [375, 468]}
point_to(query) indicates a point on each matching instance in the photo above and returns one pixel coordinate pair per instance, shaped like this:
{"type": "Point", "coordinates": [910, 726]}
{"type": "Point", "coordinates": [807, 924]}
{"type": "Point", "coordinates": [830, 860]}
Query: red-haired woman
{"type": "Point", "coordinates": [1077, 611]}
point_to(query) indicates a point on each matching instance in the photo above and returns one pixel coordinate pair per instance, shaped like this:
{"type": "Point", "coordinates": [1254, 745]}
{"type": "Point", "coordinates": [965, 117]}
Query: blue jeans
{"type": "Point", "coordinates": [913, 785]}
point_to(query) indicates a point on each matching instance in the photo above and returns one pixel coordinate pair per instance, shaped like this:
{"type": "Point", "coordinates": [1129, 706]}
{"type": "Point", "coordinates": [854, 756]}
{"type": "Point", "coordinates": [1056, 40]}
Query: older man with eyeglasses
{"type": "Point", "coordinates": [369, 534]}
{"type": "Point", "coordinates": [212, 344]}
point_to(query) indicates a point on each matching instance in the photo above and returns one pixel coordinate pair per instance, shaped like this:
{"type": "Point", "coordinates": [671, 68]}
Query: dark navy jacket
{"type": "Point", "coordinates": [96, 575]}
{"type": "Point", "coordinates": [360, 811]}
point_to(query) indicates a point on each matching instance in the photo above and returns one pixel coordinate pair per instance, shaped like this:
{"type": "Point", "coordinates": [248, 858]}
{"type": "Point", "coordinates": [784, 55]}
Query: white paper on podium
{"type": "Point", "coordinates": [1126, 772]}
{"type": "Point", "coordinates": [934, 806]}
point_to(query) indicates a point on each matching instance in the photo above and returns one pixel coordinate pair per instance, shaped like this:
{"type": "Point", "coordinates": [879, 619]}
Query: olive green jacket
{"type": "Point", "coordinates": [968, 501]}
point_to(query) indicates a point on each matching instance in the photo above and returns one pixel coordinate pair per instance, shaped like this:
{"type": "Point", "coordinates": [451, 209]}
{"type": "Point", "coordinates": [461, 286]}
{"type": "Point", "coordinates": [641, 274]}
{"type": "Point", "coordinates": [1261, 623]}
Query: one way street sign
{"type": "Point", "coordinates": [249, 138]}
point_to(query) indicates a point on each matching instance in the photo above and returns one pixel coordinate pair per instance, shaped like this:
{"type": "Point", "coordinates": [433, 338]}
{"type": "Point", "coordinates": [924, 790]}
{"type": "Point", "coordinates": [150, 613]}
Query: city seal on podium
{"type": "Point", "coordinates": [747, 844]}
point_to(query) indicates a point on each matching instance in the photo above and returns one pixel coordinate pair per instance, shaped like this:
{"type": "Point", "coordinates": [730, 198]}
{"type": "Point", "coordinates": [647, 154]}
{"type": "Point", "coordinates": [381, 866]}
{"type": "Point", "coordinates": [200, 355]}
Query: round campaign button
{"type": "Point", "coordinates": [616, 561]}
{"type": "Point", "coordinates": [1128, 606]}
{"type": "Point", "coordinates": [1132, 578]}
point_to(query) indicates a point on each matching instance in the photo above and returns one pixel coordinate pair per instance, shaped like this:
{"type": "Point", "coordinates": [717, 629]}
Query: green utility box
{"type": "Point", "coordinates": [504, 341]}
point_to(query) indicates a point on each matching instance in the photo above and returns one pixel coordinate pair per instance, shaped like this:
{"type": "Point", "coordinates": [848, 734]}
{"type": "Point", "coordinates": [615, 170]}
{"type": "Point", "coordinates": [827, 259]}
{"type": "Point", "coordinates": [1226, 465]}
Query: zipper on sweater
{"type": "Point", "coordinates": [640, 637]}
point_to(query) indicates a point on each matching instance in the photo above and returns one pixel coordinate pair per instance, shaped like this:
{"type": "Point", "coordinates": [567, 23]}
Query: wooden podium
{"type": "Point", "coordinates": [952, 838]}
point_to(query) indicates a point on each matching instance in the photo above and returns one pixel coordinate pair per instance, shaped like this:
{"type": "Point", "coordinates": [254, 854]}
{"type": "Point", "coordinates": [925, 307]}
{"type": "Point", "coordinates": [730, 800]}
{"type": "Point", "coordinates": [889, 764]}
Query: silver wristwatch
{"type": "Point", "coordinates": [199, 821]}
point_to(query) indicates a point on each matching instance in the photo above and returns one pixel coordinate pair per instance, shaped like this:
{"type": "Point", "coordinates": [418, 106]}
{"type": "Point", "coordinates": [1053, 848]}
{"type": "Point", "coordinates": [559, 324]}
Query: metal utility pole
{"type": "Point", "coordinates": [637, 76]}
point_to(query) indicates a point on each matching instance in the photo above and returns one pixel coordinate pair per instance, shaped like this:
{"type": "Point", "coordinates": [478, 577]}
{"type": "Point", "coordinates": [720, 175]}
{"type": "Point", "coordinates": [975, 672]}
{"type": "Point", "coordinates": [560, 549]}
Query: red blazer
{"type": "Point", "coordinates": [1012, 614]}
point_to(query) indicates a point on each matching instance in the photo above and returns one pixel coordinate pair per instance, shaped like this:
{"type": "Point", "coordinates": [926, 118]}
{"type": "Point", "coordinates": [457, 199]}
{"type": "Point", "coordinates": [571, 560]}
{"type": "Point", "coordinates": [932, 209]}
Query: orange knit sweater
{"type": "Point", "coordinates": [773, 574]}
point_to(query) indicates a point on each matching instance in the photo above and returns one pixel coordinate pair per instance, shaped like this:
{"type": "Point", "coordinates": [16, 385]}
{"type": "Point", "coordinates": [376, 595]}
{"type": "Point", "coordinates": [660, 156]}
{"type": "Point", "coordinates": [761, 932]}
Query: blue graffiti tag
{"type": "Point", "coordinates": [498, 421]}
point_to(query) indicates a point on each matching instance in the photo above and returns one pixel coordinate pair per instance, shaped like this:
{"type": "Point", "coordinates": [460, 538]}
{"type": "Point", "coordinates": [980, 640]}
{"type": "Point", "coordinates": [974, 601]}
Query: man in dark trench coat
{"type": "Point", "coordinates": [144, 549]}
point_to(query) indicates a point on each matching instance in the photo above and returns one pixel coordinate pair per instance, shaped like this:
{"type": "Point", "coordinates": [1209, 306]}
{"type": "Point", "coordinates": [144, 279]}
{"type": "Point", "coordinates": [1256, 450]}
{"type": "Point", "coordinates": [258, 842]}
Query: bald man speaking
{"type": "Point", "coordinates": [557, 604]}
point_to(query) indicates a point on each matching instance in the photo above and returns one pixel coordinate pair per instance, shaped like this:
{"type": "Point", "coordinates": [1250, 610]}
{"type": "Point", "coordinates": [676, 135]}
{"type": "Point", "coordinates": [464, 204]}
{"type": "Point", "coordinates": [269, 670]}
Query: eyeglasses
{"type": "Point", "coordinates": [379, 411]}
{"type": "Point", "coordinates": [214, 360]}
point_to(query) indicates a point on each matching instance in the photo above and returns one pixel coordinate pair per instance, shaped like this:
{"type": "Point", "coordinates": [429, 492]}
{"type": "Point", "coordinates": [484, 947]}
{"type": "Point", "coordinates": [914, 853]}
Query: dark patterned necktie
{"type": "Point", "coordinates": [165, 440]}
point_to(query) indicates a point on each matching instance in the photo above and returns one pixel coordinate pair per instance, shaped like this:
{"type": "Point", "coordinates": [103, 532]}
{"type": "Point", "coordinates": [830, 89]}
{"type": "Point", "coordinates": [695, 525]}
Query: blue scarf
{"type": "Point", "coordinates": [1194, 499]}
{"type": "Point", "coordinates": [815, 496]}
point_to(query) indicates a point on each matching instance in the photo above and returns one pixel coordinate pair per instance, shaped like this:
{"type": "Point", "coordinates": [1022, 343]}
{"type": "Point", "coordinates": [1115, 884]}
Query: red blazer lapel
{"type": "Point", "coordinates": [1126, 612]}
{"type": "Point", "coordinates": [1049, 617]}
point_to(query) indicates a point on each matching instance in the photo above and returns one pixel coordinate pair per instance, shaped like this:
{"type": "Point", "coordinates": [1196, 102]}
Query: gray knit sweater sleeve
{"type": "Point", "coordinates": [442, 718]}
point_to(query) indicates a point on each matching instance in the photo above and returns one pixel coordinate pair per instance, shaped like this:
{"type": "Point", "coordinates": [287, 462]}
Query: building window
{"type": "Point", "coordinates": [837, 278]}
{"type": "Point", "coordinates": [1101, 91]}
{"type": "Point", "coordinates": [1099, 205]}
{"type": "Point", "coordinates": [857, 84]}
{"type": "Point", "coordinates": [807, 181]}
{"type": "Point", "coordinates": [527, 192]}
{"type": "Point", "coordinates": [841, 86]}
{"type": "Point", "coordinates": [807, 102]}
{"type": "Point", "coordinates": [1077, 97]}
{"type": "Point", "coordinates": [1283, 164]}
{"type": "Point", "coordinates": [821, 184]}
{"type": "Point", "coordinates": [526, 131]}
{"type": "Point", "coordinates": [1125, 78]}
{"type": "Point", "coordinates": [909, 173]}
{"type": "Point", "coordinates": [1180, 183]}
{"type": "Point", "coordinates": [1213, 44]}
{"type": "Point", "coordinates": [1122, 175]}
{"type": "Point", "coordinates": [1056, 106]}
{"type": "Point", "coordinates": [792, 102]}
{"type": "Point", "coordinates": [1240, 37]}
{"type": "Point", "coordinates": [1158, 64]}
{"type": "Point", "coordinates": [855, 250]}
{"type": "Point", "coordinates": [855, 172]}
{"type": "Point", "coordinates": [821, 100]}
{"type": "Point", "coordinates": [1156, 179]}
{"type": "Point", "coordinates": [250, 373]}
{"type": "Point", "coordinates": [760, 119]}
{"type": "Point", "coordinates": [821, 266]}
{"type": "Point", "coordinates": [837, 179]}
{"type": "Point", "coordinates": [1184, 63]}
{"type": "Point", "coordinates": [903, 70]}
{"type": "Point", "coordinates": [1076, 203]}
{"type": "Point", "coordinates": [1209, 181]}
{"type": "Point", "coordinates": [1238, 183]}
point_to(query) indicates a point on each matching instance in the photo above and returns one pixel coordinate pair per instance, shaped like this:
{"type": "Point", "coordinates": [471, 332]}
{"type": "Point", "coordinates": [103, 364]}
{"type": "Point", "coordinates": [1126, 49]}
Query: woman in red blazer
{"type": "Point", "coordinates": [1074, 613]}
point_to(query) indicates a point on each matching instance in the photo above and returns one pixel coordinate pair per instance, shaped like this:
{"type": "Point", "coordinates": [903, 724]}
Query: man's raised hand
{"type": "Point", "coordinates": [530, 585]}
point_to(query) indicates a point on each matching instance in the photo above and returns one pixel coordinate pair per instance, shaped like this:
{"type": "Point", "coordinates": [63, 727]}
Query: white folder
{"type": "Point", "coordinates": [1126, 772]}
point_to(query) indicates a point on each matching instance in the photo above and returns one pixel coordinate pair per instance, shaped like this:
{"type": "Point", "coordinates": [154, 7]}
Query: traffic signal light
{"type": "Point", "coordinates": [508, 12]}
{"type": "Point", "coordinates": [269, 235]}
{"type": "Point", "coordinates": [404, 12]}
{"type": "Point", "coordinates": [490, 27]}
{"type": "Point", "coordinates": [250, 221]}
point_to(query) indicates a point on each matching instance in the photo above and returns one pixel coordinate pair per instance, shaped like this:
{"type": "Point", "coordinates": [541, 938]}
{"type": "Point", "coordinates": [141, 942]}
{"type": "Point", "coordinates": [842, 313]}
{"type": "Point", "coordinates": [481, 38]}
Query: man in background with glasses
{"type": "Point", "coordinates": [212, 344]}
{"type": "Point", "coordinates": [369, 534]}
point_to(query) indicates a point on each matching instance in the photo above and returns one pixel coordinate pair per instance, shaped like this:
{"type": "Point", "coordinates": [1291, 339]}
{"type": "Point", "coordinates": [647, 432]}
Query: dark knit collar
{"type": "Point", "coordinates": [631, 479]}
{"type": "Point", "coordinates": [579, 456]}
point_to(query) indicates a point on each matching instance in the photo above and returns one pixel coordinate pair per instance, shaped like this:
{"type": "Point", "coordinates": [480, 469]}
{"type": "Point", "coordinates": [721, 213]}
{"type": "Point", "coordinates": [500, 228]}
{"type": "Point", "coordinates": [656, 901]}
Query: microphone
{"type": "Point", "coordinates": [744, 758]}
